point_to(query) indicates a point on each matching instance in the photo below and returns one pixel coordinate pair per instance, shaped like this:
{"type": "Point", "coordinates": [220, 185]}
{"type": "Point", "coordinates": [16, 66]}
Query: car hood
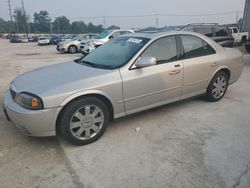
{"type": "Point", "coordinates": [98, 41]}
{"type": "Point", "coordinates": [62, 77]}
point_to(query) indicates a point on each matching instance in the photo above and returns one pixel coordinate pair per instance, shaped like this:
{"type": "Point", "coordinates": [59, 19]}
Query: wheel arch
{"type": "Point", "coordinates": [223, 69]}
{"type": "Point", "coordinates": [74, 46]}
{"type": "Point", "coordinates": [97, 94]}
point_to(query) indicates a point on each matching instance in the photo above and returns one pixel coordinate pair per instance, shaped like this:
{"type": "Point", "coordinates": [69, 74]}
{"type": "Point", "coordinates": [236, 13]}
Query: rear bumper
{"type": "Point", "coordinates": [38, 123]}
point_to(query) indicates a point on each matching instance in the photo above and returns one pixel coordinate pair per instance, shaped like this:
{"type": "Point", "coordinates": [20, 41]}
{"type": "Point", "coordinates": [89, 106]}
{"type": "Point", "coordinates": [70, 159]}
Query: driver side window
{"type": "Point", "coordinates": [164, 50]}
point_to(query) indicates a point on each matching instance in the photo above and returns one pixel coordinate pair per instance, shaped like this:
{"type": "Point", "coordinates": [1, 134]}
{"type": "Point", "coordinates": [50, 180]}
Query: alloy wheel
{"type": "Point", "coordinates": [86, 122]}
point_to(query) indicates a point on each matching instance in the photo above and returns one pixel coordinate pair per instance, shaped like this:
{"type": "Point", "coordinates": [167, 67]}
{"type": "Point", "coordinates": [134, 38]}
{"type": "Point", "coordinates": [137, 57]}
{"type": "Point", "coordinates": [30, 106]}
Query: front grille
{"type": "Point", "coordinates": [13, 94]}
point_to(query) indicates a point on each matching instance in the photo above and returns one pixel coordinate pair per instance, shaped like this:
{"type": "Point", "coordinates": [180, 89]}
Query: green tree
{"type": "Point", "coordinates": [62, 25]}
{"type": "Point", "coordinates": [113, 27]}
{"type": "Point", "coordinates": [21, 20]}
{"type": "Point", "coordinates": [5, 26]}
{"type": "Point", "coordinates": [42, 22]}
{"type": "Point", "coordinates": [79, 27]}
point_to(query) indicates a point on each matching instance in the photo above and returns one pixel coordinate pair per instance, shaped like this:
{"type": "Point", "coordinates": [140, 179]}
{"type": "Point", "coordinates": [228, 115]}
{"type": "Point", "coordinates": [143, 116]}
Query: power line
{"type": "Point", "coordinates": [159, 15]}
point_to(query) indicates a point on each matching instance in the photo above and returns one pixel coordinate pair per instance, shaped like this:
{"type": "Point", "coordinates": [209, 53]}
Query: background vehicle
{"type": "Point", "coordinates": [105, 36]}
{"type": "Point", "coordinates": [218, 33]}
{"type": "Point", "coordinates": [72, 46]}
{"type": "Point", "coordinates": [247, 45]}
{"type": "Point", "coordinates": [55, 39]}
{"type": "Point", "coordinates": [24, 39]}
{"type": "Point", "coordinates": [126, 75]}
{"type": "Point", "coordinates": [43, 41]}
{"type": "Point", "coordinates": [67, 37]}
{"type": "Point", "coordinates": [239, 37]}
{"type": "Point", "coordinates": [15, 39]}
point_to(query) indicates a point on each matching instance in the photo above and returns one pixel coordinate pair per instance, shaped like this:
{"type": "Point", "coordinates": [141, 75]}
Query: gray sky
{"type": "Point", "coordinates": [78, 9]}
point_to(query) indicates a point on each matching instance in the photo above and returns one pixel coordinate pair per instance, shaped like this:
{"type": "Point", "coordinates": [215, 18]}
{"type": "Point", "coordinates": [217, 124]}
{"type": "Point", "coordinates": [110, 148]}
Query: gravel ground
{"type": "Point", "coordinates": [189, 144]}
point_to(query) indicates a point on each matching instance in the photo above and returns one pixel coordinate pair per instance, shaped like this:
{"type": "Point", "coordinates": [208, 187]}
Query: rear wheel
{"type": "Point", "coordinates": [84, 121]}
{"type": "Point", "coordinates": [248, 47]}
{"type": "Point", "coordinates": [72, 49]}
{"type": "Point", "coordinates": [217, 87]}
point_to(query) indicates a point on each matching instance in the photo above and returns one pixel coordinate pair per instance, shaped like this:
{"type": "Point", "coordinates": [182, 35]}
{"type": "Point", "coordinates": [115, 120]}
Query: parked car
{"type": "Point", "coordinates": [33, 38]}
{"type": "Point", "coordinates": [247, 45]}
{"type": "Point", "coordinates": [43, 41]}
{"type": "Point", "coordinates": [239, 37]}
{"type": "Point", "coordinates": [218, 33]}
{"type": "Point", "coordinates": [67, 37]}
{"type": "Point", "coordinates": [15, 39]}
{"type": "Point", "coordinates": [105, 36]}
{"type": "Point", "coordinates": [126, 75]}
{"type": "Point", "coordinates": [24, 39]}
{"type": "Point", "coordinates": [55, 39]}
{"type": "Point", "coordinates": [72, 46]}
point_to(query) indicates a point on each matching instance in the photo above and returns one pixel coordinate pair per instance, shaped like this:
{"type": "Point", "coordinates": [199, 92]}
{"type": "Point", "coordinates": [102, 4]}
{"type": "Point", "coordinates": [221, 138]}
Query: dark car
{"type": "Point", "coordinates": [247, 45]}
{"type": "Point", "coordinates": [55, 39]}
{"type": "Point", "coordinates": [15, 39]}
{"type": "Point", "coordinates": [218, 33]}
{"type": "Point", "coordinates": [33, 38]}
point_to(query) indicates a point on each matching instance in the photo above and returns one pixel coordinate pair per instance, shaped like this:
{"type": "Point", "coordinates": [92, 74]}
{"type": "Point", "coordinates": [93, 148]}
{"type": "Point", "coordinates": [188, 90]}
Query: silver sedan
{"type": "Point", "coordinates": [128, 74]}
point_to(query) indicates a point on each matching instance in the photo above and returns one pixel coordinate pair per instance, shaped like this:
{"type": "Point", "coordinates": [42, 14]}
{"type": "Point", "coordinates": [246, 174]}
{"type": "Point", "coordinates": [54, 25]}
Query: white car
{"type": "Point", "coordinates": [239, 37]}
{"type": "Point", "coordinates": [24, 39]}
{"type": "Point", "coordinates": [43, 41]}
{"type": "Point", "coordinates": [72, 46]}
{"type": "Point", "coordinates": [105, 36]}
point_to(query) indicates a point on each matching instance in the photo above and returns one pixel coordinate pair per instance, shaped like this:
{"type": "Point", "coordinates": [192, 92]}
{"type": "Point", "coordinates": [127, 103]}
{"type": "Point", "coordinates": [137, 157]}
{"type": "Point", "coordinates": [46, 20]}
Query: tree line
{"type": "Point", "coordinates": [42, 23]}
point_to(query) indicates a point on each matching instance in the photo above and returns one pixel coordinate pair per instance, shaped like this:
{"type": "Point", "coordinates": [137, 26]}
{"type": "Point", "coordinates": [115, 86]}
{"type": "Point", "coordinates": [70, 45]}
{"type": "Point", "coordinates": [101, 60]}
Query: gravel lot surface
{"type": "Point", "coordinates": [189, 144]}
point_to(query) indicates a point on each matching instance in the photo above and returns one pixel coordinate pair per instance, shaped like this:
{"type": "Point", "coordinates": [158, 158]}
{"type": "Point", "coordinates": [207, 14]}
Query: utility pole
{"type": "Point", "coordinates": [58, 26]}
{"type": "Point", "coordinates": [237, 17]}
{"type": "Point", "coordinates": [104, 22]}
{"type": "Point", "coordinates": [157, 21]}
{"type": "Point", "coordinates": [24, 15]}
{"type": "Point", "coordinates": [50, 27]}
{"type": "Point", "coordinates": [12, 23]}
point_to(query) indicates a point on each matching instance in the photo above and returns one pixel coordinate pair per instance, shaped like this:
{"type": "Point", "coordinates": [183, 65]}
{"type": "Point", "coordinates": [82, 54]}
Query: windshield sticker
{"type": "Point", "coordinates": [137, 41]}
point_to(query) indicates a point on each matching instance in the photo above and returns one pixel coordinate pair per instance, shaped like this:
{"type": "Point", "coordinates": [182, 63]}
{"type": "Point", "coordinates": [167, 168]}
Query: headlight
{"type": "Point", "coordinates": [28, 100]}
{"type": "Point", "coordinates": [91, 43]}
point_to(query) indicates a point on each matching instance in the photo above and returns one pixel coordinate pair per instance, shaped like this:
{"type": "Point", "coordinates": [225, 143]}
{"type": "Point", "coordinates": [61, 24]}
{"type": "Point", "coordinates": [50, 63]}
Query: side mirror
{"type": "Point", "coordinates": [145, 62]}
{"type": "Point", "coordinates": [111, 37]}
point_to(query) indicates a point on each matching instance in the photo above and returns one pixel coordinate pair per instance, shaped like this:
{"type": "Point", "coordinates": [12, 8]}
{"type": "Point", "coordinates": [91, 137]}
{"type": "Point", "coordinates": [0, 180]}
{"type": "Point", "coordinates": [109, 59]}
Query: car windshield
{"type": "Point", "coordinates": [103, 34]}
{"type": "Point", "coordinates": [114, 53]}
{"type": "Point", "coordinates": [77, 37]}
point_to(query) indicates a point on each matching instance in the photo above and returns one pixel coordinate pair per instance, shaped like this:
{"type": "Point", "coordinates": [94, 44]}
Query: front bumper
{"type": "Point", "coordinates": [61, 48]}
{"type": "Point", "coordinates": [31, 122]}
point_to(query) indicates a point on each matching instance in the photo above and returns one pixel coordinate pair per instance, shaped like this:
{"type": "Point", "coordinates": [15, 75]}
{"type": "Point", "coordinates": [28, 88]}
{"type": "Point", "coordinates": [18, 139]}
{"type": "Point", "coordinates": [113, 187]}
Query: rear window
{"type": "Point", "coordinates": [195, 47]}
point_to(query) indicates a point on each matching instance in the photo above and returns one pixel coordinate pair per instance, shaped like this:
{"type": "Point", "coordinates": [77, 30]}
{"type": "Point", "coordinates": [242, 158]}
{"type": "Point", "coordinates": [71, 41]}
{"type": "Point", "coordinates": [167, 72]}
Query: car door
{"type": "Point", "coordinates": [200, 61]}
{"type": "Point", "coordinates": [151, 86]}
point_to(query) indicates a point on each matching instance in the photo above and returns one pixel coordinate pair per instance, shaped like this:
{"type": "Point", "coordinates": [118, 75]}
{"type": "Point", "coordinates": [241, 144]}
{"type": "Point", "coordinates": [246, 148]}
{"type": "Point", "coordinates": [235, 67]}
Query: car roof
{"type": "Point", "coordinates": [161, 34]}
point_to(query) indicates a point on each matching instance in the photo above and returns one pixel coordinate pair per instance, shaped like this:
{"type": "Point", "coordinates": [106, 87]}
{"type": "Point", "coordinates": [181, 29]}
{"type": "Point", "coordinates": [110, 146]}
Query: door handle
{"type": "Point", "coordinates": [177, 71]}
{"type": "Point", "coordinates": [214, 64]}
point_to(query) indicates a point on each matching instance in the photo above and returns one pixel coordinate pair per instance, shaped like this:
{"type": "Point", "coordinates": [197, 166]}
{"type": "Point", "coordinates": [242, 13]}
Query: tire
{"type": "Point", "coordinates": [84, 121]}
{"type": "Point", "coordinates": [216, 92]}
{"type": "Point", "coordinates": [247, 48]}
{"type": "Point", "coordinates": [243, 39]}
{"type": "Point", "coordinates": [72, 49]}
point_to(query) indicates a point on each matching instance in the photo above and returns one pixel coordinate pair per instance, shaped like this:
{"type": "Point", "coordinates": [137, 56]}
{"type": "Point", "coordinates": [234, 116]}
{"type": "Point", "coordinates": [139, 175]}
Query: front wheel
{"type": "Point", "coordinates": [72, 49]}
{"type": "Point", "coordinates": [217, 87]}
{"type": "Point", "coordinates": [248, 47]}
{"type": "Point", "coordinates": [84, 121]}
